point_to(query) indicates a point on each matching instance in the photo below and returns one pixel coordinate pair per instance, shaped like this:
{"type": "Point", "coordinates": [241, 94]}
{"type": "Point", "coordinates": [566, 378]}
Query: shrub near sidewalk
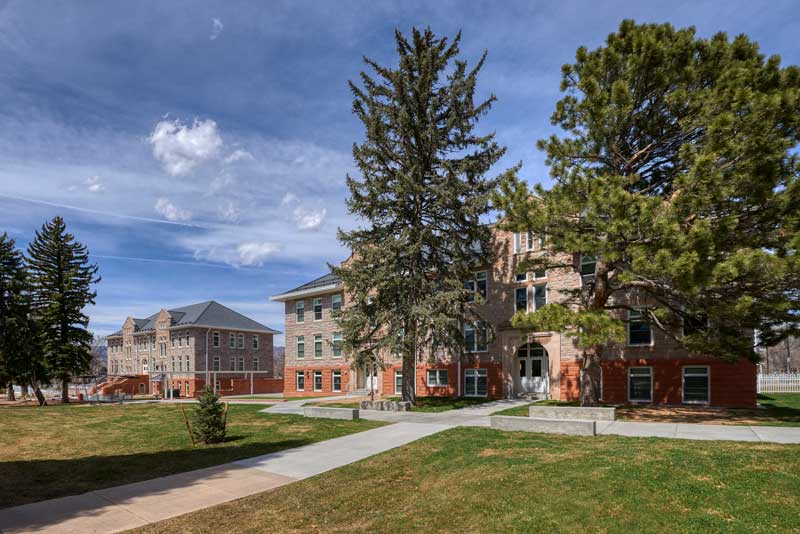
{"type": "Point", "coordinates": [210, 418]}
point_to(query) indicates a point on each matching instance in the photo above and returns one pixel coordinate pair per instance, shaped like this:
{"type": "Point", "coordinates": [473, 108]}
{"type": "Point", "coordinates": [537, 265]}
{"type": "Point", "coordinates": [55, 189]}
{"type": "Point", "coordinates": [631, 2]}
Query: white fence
{"type": "Point", "coordinates": [779, 383]}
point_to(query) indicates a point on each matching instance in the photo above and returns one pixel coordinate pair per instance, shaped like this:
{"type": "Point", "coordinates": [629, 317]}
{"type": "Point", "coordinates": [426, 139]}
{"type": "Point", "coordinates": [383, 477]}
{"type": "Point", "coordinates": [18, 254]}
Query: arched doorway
{"type": "Point", "coordinates": [532, 376]}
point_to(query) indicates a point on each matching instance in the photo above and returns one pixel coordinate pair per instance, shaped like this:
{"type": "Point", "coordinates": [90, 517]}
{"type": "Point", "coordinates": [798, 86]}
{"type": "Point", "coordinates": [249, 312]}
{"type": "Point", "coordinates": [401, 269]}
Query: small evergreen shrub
{"type": "Point", "coordinates": [209, 421]}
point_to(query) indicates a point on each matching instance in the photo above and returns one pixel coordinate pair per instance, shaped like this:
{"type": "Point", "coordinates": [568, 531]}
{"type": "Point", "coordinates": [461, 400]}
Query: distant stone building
{"type": "Point", "coordinates": [180, 347]}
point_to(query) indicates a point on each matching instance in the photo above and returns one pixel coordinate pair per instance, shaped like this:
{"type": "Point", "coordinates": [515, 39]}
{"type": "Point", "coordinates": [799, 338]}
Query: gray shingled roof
{"type": "Point", "coordinates": [209, 313]}
{"type": "Point", "coordinates": [324, 280]}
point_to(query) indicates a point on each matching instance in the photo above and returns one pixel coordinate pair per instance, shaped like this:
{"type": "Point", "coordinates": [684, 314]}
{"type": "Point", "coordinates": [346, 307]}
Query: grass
{"type": "Point", "coordinates": [778, 409]}
{"type": "Point", "coordinates": [470, 480]}
{"type": "Point", "coordinates": [66, 450]}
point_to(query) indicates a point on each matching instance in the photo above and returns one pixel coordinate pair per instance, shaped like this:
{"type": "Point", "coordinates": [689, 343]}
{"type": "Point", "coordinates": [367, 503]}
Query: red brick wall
{"type": "Point", "coordinates": [732, 384]}
{"type": "Point", "coordinates": [290, 383]}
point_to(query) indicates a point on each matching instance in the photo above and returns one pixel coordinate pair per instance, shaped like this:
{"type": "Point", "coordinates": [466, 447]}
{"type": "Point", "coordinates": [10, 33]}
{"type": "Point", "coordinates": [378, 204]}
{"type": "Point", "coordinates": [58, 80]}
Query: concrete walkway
{"type": "Point", "coordinates": [765, 434]}
{"type": "Point", "coordinates": [133, 505]}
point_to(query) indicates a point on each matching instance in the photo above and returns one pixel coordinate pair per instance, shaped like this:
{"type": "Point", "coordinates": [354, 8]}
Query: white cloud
{"type": "Point", "coordinates": [254, 253]}
{"type": "Point", "coordinates": [229, 211]}
{"type": "Point", "coordinates": [238, 155]}
{"type": "Point", "coordinates": [216, 28]}
{"type": "Point", "coordinates": [244, 254]}
{"type": "Point", "coordinates": [180, 148]}
{"type": "Point", "coordinates": [94, 185]}
{"type": "Point", "coordinates": [170, 211]}
{"type": "Point", "coordinates": [304, 218]}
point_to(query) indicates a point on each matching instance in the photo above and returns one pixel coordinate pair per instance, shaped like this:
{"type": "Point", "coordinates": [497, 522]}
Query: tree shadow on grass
{"type": "Point", "coordinates": [28, 481]}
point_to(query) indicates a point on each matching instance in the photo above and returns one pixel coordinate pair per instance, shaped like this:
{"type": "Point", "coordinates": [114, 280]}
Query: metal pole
{"type": "Point", "coordinates": [251, 383]}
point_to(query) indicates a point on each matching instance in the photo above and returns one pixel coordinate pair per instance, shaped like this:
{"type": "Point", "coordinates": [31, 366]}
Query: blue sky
{"type": "Point", "coordinates": [200, 149]}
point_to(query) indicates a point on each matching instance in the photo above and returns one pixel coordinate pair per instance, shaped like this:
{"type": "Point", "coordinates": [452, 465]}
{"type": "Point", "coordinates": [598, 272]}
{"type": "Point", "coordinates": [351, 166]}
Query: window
{"type": "Point", "coordinates": [300, 381]}
{"type": "Point", "coordinates": [398, 382]}
{"type": "Point", "coordinates": [241, 341]}
{"type": "Point", "coordinates": [539, 296]}
{"type": "Point", "coordinates": [538, 275]}
{"type": "Point", "coordinates": [300, 311]}
{"type": "Point", "coordinates": [475, 337]}
{"type": "Point", "coordinates": [301, 347]}
{"type": "Point", "coordinates": [187, 365]}
{"type": "Point", "coordinates": [696, 384]}
{"type": "Point", "coordinates": [241, 364]}
{"type": "Point", "coordinates": [521, 277]}
{"type": "Point", "coordinates": [477, 284]}
{"type": "Point", "coordinates": [372, 322]}
{"type": "Point", "coordinates": [216, 363]}
{"type": "Point", "coordinates": [172, 366]}
{"type": "Point", "coordinates": [437, 377]}
{"type": "Point", "coordinates": [476, 383]}
{"type": "Point", "coordinates": [217, 385]}
{"type": "Point", "coordinates": [638, 329]}
{"type": "Point", "coordinates": [517, 242]}
{"type": "Point", "coordinates": [233, 364]}
{"type": "Point", "coordinates": [187, 339]}
{"type": "Point", "coordinates": [317, 380]}
{"type": "Point", "coordinates": [215, 339]}
{"type": "Point", "coordinates": [255, 363]}
{"type": "Point", "coordinates": [336, 302]}
{"type": "Point", "coordinates": [640, 384]}
{"type": "Point", "coordinates": [180, 341]}
{"type": "Point", "coordinates": [337, 345]}
{"type": "Point", "coordinates": [588, 263]}
{"type": "Point", "coordinates": [521, 299]}
{"type": "Point", "coordinates": [694, 324]}
{"type": "Point", "coordinates": [336, 378]}
{"type": "Point", "coordinates": [232, 340]}
{"type": "Point", "coordinates": [318, 309]}
{"type": "Point", "coordinates": [186, 388]}
{"type": "Point", "coordinates": [530, 241]}
{"type": "Point", "coordinates": [255, 343]}
{"type": "Point", "coordinates": [172, 340]}
{"type": "Point", "coordinates": [318, 345]}
{"type": "Point", "coordinates": [180, 363]}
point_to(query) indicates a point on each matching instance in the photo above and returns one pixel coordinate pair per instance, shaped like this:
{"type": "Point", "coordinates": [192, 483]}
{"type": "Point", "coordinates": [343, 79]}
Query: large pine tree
{"type": "Point", "coordinates": [61, 278]}
{"type": "Point", "coordinates": [422, 193]}
{"type": "Point", "coordinates": [677, 173]}
{"type": "Point", "coordinates": [13, 312]}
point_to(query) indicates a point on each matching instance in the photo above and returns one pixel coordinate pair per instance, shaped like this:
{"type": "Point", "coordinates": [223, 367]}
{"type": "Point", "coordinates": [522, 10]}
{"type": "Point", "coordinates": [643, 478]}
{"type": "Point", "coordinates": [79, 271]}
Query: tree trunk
{"type": "Point", "coordinates": [10, 392]}
{"type": "Point", "coordinates": [39, 396]}
{"type": "Point", "coordinates": [590, 378]}
{"type": "Point", "coordinates": [409, 395]}
{"type": "Point", "coordinates": [24, 390]}
{"type": "Point", "coordinates": [65, 391]}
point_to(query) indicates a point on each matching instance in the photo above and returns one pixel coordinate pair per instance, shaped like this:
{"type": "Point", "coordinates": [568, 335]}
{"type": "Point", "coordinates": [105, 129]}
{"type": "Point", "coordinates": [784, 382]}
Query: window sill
{"type": "Point", "coordinates": [437, 385]}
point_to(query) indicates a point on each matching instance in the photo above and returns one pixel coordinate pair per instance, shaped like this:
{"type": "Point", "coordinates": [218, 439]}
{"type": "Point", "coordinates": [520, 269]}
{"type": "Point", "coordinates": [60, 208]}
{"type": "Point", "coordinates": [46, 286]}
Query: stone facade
{"type": "Point", "coordinates": [500, 368]}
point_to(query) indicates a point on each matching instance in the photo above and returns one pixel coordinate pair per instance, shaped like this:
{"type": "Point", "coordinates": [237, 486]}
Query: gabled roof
{"type": "Point", "coordinates": [323, 284]}
{"type": "Point", "coordinates": [210, 314]}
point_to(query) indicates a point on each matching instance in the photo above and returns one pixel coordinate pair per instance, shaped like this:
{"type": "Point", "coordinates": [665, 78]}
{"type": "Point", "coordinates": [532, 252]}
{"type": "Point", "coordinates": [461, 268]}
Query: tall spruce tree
{"type": "Point", "coordinates": [13, 312]}
{"type": "Point", "coordinates": [421, 193]}
{"type": "Point", "coordinates": [677, 172]}
{"type": "Point", "coordinates": [61, 278]}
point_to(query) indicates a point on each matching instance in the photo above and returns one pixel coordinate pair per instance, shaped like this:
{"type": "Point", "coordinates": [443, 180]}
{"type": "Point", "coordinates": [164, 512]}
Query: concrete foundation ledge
{"type": "Point", "coordinates": [574, 427]}
{"type": "Point", "coordinates": [349, 414]}
{"type": "Point", "coordinates": [386, 405]}
{"type": "Point", "coordinates": [572, 412]}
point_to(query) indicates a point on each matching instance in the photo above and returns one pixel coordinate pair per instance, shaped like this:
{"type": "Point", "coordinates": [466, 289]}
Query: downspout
{"type": "Point", "coordinates": [207, 331]}
{"type": "Point", "coordinates": [458, 378]}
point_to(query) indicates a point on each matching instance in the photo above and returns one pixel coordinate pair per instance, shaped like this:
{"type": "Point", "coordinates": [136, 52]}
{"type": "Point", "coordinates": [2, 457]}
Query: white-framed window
{"type": "Point", "coordinates": [317, 380]}
{"type": "Point", "coordinates": [188, 366]}
{"type": "Point", "coordinates": [300, 381]}
{"type": "Point", "coordinates": [180, 341]}
{"type": "Point", "coordinates": [517, 242]}
{"type": "Point", "coordinates": [187, 339]}
{"type": "Point", "coordinates": [336, 381]}
{"type": "Point", "coordinates": [240, 337]}
{"type": "Point", "coordinates": [398, 382]}
{"type": "Point", "coordinates": [372, 322]}
{"type": "Point", "coordinates": [540, 274]}
{"type": "Point", "coordinates": [301, 347]}
{"type": "Point", "coordinates": [437, 378]}
{"type": "Point", "coordinates": [336, 302]}
{"type": "Point", "coordinates": [255, 342]}
{"type": "Point", "coordinates": [337, 345]}
{"type": "Point", "coordinates": [696, 384]}
{"type": "Point", "coordinates": [255, 363]}
{"type": "Point", "coordinates": [186, 388]}
{"type": "Point", "coordinates": [521, 277]}
{"type": "Point", "coordinates": [172, 341]}
{"type": "Point", "coordinates": [539, 296]}
{"type": "Point", "coordinates": [215, 339]}
{"type": "Point", "coordinates": [318, 345]}
{"type": "Point", "coordinates": [476, 382]}
{"type": "Point", "coordinates": [521, 299]}
{"type": "Point", "coordinates": [475, 337]}
{"type": "Point", "coordinates": [588, 263]}
{"type": "Point", "coordinates": [217, 385]}
{"type": "Point", "coordinates": [241, 364]}
{"type": "Point", "coordinates": [300, 311]}
{"type": "Point", "coordinates": [476, 285]}
{"type": "Point", "coordinates": [533, 242]}
{"type": "Point", "coordinates": [318, 309]}
{"type": "Point", "coordinates": [232, 340]}
{"type": "Point", "coordinates": [640, 384]}
{"type": "Point", "coordinates": [233, 364]}
{"type": "Point", "coordinates": [216, 363]}
{"type": "Point", "coordinates": [639, 332]}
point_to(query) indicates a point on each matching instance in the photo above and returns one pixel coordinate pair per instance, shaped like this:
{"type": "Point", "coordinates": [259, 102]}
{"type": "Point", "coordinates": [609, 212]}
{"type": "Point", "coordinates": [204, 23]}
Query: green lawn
{"type": "Point", "coordinates": [65, 450]}
{"type": "Point", "coordinates": [778, 409]}
{"type": "Point", "coordinates": [479, 480]}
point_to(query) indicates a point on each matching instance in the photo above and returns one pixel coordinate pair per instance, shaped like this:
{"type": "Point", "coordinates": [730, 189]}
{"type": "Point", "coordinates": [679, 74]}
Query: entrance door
{"type": "Point", "coordinates": [371, 382]}
{"type": "Point", "coordinates": [532, 368]}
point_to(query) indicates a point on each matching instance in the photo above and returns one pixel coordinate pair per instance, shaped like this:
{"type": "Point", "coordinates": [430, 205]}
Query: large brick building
{"type": "Point", "coordinates": [182, 347]}
{"type": "Point", "coordinates": [650, 367]}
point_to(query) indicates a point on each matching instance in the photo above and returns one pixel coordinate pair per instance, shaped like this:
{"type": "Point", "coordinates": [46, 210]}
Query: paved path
{"type": "Point", "coordinates": [768, 434]}
{"type": "Point", "coordinates": [134, 505]}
